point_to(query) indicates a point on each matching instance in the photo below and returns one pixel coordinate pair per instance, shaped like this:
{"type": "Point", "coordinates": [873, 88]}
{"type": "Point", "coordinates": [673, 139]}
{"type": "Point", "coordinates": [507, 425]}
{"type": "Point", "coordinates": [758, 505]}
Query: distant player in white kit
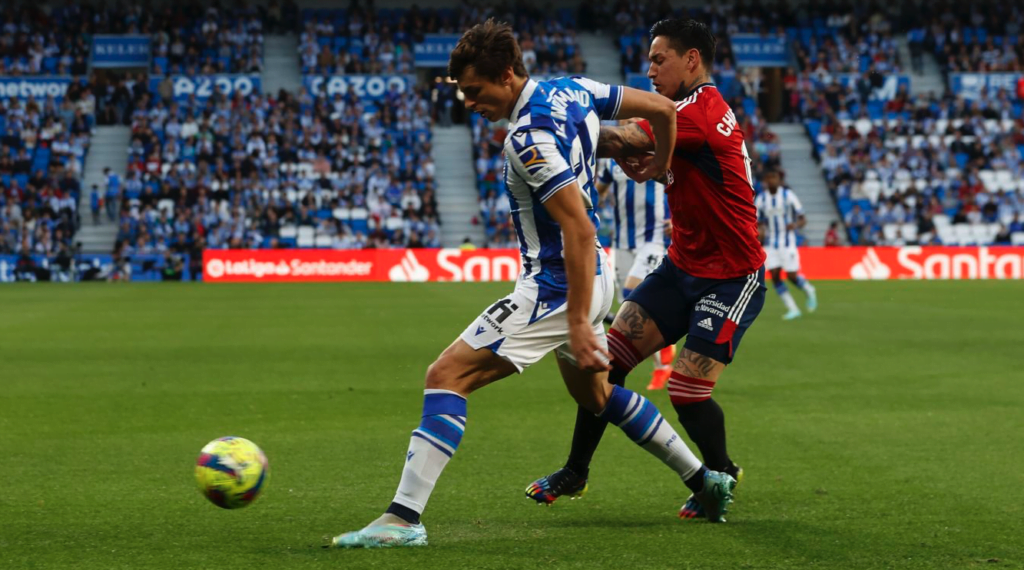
{"type": "Point", "coordinates": [640, 239]}
{"type": "Point", "coordinates": [780, 215]}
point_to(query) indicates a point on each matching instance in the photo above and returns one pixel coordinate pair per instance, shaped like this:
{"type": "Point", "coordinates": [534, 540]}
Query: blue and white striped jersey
{"type": "Point", "coordinates": [777, 211]}
{"type": "Point", "coordinates": [641, 209]}
{"type": "Point", "coordinates": [551, 143]}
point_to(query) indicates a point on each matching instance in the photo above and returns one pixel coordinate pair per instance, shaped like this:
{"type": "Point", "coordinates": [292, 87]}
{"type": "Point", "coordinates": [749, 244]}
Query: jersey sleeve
{"type": "Point", "coordinates": [607, 98]}
{"type": "Point", "coordinates": [691, 127]}
{"type": "Point", "coordinates": [794, 202]}
{"type": "Point", "coordinates": [537, 158]}
{"type": "Point", "coordinates": [606, 176]}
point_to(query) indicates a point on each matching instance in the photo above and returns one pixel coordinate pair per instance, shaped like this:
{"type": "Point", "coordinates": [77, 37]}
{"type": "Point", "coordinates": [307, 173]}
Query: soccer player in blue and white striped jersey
{"type": "Point", "coordinates": [639, 238]}
{"type": "Point", "coordinates": [780, 214]}
{"type": "Point", "coordinates": [563, 291]}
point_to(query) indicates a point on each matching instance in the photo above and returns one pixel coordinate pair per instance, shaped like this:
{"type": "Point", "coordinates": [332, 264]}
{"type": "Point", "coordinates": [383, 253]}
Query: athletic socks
{"type": "Point", "coordinates": [643, 423]}
{"type": "Point", "coordinates": [804, 284]}
{"type": "Point", "coordinates": [704, 422]}
{"type": "Point", "coordinates": [786, 296]}
{"type": "Point", "coordinates": [431, 446]}
{"type": "Point", "coordinates": [590, 428]}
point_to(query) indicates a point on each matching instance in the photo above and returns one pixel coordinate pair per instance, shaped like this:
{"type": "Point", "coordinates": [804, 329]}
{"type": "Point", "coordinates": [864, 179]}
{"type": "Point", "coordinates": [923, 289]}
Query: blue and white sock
{"type": "Point", "coordinates": [431, 446]}
{"type": "Point", "coordinates": [804, 285]}
{"type": "Point", "coordinates": [787, 297]}
{"type": "Point", "coordinates": [643, 423]}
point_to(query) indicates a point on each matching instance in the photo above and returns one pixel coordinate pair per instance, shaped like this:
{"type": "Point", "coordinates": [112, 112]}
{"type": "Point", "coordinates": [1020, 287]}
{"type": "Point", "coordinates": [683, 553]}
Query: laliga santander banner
{"type": "Point", "coordinates": [912, 262]}
{"type": "Point", "coordinates": [278, 265]}
{"type": "Point", "coordinates": [418, 265]}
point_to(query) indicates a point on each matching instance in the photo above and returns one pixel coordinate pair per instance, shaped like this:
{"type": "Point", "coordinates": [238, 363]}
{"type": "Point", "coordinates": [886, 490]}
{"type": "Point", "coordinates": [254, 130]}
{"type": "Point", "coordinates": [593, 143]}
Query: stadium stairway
{"type": "Point", "coordinates": [603, 59]}
{"type": "Point", "coordinates": [108, 148]}
{"type": "Point", "coordinates": [804, 176]}
{"type": "Point", "coordinates": [281, 64]}
{"type": "Point", "coordinates": [928, 82]}
{"type": "Point", "coordinates": [458, 200]}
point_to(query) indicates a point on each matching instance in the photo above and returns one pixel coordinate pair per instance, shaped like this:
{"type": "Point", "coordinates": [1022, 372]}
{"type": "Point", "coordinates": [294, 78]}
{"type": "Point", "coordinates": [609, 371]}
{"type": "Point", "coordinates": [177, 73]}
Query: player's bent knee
{"type": "Point", "coordinates": [437, 378]}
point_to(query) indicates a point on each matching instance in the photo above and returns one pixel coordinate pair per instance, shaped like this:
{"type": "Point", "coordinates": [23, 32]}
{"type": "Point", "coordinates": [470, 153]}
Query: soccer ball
{"type": "Point", "coordinates": [231, 472]}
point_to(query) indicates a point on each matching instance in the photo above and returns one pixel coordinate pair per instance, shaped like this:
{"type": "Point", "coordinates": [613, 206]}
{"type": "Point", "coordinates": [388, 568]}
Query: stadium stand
{"type": "Point", "coordinates": [43, 145]}
{"type": "Point", "coordinates": [937, 171]}
{"type": "Point", "coordinates": [188, 37]}
{"type": "Point", "coordinates": [199, 39]}
{"type": "Point", "coordinates": [299, 171]}
{"type": "Point", "coordinates": [985, 36]}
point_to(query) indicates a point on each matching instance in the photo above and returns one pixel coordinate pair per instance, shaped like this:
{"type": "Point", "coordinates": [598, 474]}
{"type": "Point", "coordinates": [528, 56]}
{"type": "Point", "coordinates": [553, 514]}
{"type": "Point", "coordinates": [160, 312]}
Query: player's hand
{"type": "Point", "coordinates": [790, 227]}
{"type": "Point", "coordinates": [589, 353]}
{"type": "Point", "coordinates": [640, 168]}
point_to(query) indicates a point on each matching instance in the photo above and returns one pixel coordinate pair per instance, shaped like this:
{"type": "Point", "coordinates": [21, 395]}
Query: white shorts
{"type": "Point", "coordinates": [522, 327]}
{"type": "Point", "coordinates": [788, 258]}
{"type": "Point", "coordinates": [639, 262]}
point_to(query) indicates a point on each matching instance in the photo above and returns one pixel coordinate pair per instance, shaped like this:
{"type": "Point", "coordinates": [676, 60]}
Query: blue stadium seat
{"type": "Point", "coordinates": [360, 226]}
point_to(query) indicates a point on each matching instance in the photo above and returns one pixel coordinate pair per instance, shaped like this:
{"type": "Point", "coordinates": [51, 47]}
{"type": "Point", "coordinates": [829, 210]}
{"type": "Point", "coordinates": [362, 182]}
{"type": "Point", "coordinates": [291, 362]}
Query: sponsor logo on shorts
{"type": "Point", "coordinates": [711, 304]}
{"type": "Point", "coordinates": [706, 324]}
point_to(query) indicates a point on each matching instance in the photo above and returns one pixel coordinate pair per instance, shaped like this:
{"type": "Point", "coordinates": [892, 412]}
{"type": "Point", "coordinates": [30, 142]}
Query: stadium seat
{"type": "Point", "coordinates": [964, 234]}
{"type": "Point", "coordinates": [890, 232]}
{"type": "Point", "coordinates": [988, 178]}
{"type": "Point", "coordinates": [288, 232]}
{"type": "Point", "coordinates": [324, 241]}
{"type": "Point", "coordinates": [909, 231]}
{"type": "Point", "coordinates": [941, 220]}
{"type": "Point", "coordinates": [1004, 181]}
{"type": "Point", "coordinates": [981, 233]}
{"type": "Point", "coordinates": [1017, 238]}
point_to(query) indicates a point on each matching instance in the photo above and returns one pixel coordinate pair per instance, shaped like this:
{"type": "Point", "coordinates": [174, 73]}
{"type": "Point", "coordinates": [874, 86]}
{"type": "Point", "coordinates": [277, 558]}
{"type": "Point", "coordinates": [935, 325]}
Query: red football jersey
{"type": "Point", "coordinates": [714, 221]}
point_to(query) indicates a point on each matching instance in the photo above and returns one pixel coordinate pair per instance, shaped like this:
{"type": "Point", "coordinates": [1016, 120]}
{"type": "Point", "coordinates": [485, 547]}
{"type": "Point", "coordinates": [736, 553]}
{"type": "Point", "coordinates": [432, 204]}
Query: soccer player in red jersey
{"type": "Point", "coordinates": [711, 286]}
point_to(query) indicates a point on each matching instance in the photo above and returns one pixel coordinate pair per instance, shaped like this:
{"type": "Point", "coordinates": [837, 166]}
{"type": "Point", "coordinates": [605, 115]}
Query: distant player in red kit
{"type": "Point", "coordinates": [711, 286]}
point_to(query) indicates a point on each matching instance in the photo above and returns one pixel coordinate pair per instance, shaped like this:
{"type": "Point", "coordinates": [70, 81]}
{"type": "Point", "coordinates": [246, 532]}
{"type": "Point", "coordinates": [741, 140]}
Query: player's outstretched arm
{"type": "Point", "coordinates": [660, 112]}
{"type": "Point", "coordinates": [578, 237]}
{"type": "Point", "coordinates": [622, 142]}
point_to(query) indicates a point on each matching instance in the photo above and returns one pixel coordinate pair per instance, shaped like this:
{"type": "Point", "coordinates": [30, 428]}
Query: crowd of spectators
{"type": "Point", "coordinates": [292, 170]}
{"type": "Point", "coordinates": [187, 37]}
{"type": "Point", "coordinates": [986, 36]}
{"type": "Point", "coordinates": [43, 145]}
{"type": "Point", "coordinates": [365, 40]}
{"type": "Point", "coordinates": [929, 170]}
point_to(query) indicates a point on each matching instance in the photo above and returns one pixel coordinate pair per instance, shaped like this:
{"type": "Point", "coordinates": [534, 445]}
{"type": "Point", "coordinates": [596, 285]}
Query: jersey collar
{"type": "Point", "coordinates": [694, 90]}
{"type": "Point", "coordinates": [524, 97]}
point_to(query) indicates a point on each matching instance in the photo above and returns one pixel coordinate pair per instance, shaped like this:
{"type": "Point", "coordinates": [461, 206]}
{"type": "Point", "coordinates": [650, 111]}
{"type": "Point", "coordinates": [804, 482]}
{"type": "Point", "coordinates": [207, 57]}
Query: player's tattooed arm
{"type": "Point", "coordinates": [625, 141]}
{"type": "Point", "coordinates": [695, 365]}
{"type": "Point", "coordinates": [635, 318]}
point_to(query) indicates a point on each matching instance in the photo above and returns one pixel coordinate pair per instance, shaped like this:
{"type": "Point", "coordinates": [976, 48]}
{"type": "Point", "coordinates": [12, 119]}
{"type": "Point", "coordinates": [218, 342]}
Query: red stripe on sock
{"type": "Point", "coordinates": [684, 390]}
{"type": "Point", "coordinates": [627, 343]}
{"type": "Point", "coordinates": [683, 400]}
{"type": "Point", "coordinates": [619, 354]}
{"type": "Point", "coordinates": [623, 352]}
{"type": "Point", "coordinates": [691, 380]}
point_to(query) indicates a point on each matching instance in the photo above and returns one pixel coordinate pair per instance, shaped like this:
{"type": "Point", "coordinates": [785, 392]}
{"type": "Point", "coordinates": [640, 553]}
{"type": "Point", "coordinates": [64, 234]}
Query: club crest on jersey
{"type": "Point", "coordinates": [532, 160]}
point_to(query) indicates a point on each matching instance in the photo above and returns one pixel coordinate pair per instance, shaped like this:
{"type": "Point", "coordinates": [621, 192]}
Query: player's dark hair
{"type": "Point", "coordinates": [685, 34]}
{"type": "Point", "coordinates": [490, 48]}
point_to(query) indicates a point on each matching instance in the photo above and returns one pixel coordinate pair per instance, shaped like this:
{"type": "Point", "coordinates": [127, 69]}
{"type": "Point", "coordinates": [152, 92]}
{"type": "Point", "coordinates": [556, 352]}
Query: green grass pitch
{"type": "Point", "coordinates": [884, 431]}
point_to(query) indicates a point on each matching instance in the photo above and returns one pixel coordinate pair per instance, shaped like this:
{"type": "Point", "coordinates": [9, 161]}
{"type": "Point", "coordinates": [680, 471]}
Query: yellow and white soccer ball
{"type": "Point", "coordinates": [231, 472]}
